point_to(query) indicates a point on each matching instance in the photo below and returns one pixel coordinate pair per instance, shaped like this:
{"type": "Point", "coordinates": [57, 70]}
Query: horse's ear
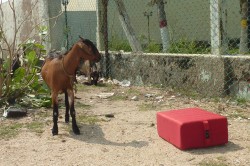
{"type": "Point", "coordinates": [81, 38]}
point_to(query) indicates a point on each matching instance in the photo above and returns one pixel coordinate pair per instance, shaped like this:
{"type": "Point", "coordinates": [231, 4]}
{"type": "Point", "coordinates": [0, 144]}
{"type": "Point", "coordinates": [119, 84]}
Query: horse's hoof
{"type": "Point", "coordinates": [87, 83]}
{"type": "Point", "coordinates": [66, 118]}
{"type": "Point", "coordinates": [54, 131]}
{"type": "Point", "coordinates": [76, 131]}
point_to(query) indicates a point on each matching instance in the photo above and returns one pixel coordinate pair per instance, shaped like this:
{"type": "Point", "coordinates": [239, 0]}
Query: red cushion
{"type": "Point", "coordinates": [192, 128]}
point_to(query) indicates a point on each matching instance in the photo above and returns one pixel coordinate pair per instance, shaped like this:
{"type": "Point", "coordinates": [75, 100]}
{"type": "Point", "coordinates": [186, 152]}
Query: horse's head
{"type": "Point", "coordinates": [90, 52]}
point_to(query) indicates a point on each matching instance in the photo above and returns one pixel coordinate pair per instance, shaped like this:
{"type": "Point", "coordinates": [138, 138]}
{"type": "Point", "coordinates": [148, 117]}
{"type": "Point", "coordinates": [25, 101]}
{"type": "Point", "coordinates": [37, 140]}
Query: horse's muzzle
{"type": "Point", "coordinates": [98, 58]}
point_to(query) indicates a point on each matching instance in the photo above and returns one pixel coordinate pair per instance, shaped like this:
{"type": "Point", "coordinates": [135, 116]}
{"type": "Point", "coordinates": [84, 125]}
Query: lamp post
{"type": "Point", "coordinates": [148, 14]}
{"type": "Point", "coordinates": [65, 3]}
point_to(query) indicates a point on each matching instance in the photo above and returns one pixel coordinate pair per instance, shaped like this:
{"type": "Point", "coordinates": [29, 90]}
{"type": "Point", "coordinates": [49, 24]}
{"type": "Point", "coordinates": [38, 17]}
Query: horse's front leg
{"type": "Point", "coordinates": [72, 112]}
{"type": "Point", "coordinates": [55, 112]}
{"type": "Point", "coordinates": [67, 107]}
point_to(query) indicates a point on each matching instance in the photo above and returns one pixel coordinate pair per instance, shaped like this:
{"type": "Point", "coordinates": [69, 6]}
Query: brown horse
{"type": "Point", "coordinates": [90, 70]}
{"type": "Point", "coordinates": [59, 74]}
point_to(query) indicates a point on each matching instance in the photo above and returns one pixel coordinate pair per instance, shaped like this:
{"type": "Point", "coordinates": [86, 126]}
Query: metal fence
{"type": "Point", "coordinates": [217, 27]}
{"type": "Point", "coordinates": [194, 26]}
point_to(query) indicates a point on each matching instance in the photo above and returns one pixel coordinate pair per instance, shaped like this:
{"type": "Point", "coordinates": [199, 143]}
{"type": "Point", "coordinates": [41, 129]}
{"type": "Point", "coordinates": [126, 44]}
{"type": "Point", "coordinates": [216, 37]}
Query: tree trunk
{"type": "Point", "coordinates": [163, 25]}
{"type": "Point", "coordinates": [243, 36]}
{"type": "Point", "coordinates": [1, 79]}
{"type": "Point", "coordinates": [127, 27]}
{"type": "Point", "coordinates": [102, 34]}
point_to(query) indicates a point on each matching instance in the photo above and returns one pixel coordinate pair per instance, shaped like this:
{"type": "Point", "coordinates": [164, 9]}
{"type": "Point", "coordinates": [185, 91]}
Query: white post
{"type": "Point", "coordinates": [98, 42]}
{"type": "Point", "coordinates": [243, 36]}
{"type": "Point", "coordinates": [215, 26]}
{"type": "Point", "coordinates": [223, 28]}
{"type": "Point", "coordinates": [163, 25]}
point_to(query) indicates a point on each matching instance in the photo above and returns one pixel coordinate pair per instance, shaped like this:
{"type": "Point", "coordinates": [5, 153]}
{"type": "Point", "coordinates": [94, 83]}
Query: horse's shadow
{"type": "Point", "coordinates": [94, 134]}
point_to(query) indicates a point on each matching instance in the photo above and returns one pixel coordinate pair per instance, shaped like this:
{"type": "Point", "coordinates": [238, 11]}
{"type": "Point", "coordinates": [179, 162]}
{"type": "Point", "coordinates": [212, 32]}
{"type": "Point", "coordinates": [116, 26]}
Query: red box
{"type": "Point", "coordinates": [192, 128]}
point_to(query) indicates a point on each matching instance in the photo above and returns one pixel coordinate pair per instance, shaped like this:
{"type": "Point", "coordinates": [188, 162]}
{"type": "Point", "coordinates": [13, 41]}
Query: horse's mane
{"type": "Point", "coordinates": [68, 50]}
{"type": "Point", "coordinates": [54, 54]}
{"type": "Point", "coordinates": [91, 44]}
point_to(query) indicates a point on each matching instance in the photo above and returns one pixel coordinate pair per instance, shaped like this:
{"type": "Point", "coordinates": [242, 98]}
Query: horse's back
{"type": "Point", "coordinates": [51, 72]}
{"type": "Point", "coordinates": [51, 64]}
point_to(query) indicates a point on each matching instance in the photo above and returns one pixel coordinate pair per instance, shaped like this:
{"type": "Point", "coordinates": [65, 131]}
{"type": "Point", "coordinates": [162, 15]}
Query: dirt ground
{"type": "Point", "coordinates": [128, 139]}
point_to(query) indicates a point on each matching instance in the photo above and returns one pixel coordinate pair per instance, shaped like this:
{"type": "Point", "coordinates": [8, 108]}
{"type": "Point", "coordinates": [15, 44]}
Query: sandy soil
{"type": "Point", "coordinates": [128, 139]}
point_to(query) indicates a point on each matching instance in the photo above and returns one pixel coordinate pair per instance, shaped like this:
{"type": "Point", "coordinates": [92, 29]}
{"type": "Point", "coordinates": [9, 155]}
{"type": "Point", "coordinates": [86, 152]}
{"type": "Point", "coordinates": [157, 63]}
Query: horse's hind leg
{"type": "Point", "coordinates": [67, 107]}
{"type": "Point", "coordinates": [72, 112]}
{"type": "Point", "coordinates": [55, 113]}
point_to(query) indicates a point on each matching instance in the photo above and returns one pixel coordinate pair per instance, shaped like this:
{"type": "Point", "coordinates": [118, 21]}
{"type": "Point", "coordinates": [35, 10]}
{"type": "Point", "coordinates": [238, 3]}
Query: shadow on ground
{"type": "Point", "coordinates": [94, 134]}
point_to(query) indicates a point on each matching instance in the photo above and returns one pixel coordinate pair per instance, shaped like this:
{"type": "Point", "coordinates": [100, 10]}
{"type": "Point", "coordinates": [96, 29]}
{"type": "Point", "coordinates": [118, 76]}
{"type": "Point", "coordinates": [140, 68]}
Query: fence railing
{"type": "Point", "coordinates": [198, 27]}
{"type": "Point", "coordinates": [217, 27]}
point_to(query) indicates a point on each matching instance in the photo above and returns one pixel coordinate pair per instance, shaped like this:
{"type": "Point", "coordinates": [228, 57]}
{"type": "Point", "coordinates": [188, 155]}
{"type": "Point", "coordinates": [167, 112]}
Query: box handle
{"type": "Point", "coordinates": [206, 132]}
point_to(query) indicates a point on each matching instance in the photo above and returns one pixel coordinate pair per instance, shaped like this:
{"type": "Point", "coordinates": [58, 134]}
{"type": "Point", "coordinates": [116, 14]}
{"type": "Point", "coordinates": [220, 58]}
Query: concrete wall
{"type": "Point", "coordinates": [29, 16]}
{"type": "Point", "coordinates": [207, 75]}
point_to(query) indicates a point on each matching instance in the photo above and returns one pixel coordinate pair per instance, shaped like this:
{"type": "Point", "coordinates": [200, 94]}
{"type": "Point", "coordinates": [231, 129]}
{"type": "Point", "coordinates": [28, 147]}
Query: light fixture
{"type": "Point", "coordinates": [65, 2]}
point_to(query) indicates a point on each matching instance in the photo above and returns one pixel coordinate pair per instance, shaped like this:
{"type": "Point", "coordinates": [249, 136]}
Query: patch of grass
{"type": "Point", "coordinates": [189, 93]}
{"type": "Point", "coordinates": [82, 87]}
{"type": "Point", "coordinates": [44, 114]}
{"type": "Point", "coordinates": [37, 127]}
{"type": "Point", "coordinates": [82, 105]}
{"type": "Point", "coordinates": [219, 161]}
{"type": "Point", "coordinates": [117, 44]}
{"type": "Point", "coordinates": [10, 130]}
{"type": "Point", "coordinates": [239, 113]}
{"type": "Point", "coordinates": [189, 47]}
{"type": "Point", "coordinates": [103, 85]}
{"type": "Point", "coordinates": [109, 87]}
{"type": "Point", "coordinates": [153, 47]}
{"type": "Point", "coordinates": [233, 51]}
{"type": "Point", "coordinates": [88, 119]}
{"type": "Point", "coordinates": [241, 101]}
{"type": "Point", "coordinates": [118, 97]}
{"type": "Point", "coordinates": [147, 107]}
{"type": "Point", "coordinates": [132, 91]}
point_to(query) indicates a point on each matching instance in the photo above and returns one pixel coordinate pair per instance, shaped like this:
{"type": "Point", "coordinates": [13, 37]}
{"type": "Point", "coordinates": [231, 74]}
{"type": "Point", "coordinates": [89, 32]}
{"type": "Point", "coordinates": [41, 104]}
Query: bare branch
{"type": "Point", "coordinates": [35, 26]}
{"type": "Point", "coordinates": [27, 16]}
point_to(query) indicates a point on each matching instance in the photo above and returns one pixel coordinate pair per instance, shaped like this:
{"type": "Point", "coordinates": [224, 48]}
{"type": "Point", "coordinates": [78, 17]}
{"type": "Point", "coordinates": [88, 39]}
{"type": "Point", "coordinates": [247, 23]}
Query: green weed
{"type": "Point", "coordinates": [188, 47]}
{"type": "Point", "coordinates": [118, 97]}
{"type": "Point", "coordinates": [117, 44]}
{"type": "Point", "coordinates": [241, 100]}
{"type": "Point", "coordinates": [219, 161]}
{"type": "Point", "coordinates": [153, 47]}
{"type": "Point", "coordinates": [82, 105]}
{"type": "Point", "coordinates": [37, 127]}
{"type": "Point", "coordinates": [10, 130]}
{"type": "Point", "coordinates": [238, 114]}
{"type": "Point", "coordinates": [147, 107]}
